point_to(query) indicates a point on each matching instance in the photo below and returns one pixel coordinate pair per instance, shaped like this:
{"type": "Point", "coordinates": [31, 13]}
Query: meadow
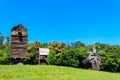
{"type": "Point", "coordinates": [44, 72]}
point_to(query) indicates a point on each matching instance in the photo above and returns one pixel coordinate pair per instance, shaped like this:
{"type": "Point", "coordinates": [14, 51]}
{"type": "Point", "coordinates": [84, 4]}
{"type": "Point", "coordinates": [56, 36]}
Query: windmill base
{"type": "Point", "coordinates": [17, 61]}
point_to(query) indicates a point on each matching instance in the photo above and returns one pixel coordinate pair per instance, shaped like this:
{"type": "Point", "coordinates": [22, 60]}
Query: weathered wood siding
{"type": "Point", "coordinates": [18, 42]}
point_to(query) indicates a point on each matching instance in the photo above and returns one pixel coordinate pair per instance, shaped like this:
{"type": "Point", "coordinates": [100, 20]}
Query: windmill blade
{"type": "Point", "coordinates": [94, 50]}
{"type": "Point", "coordinates": [85, 61]}
{"type": "Point", "coordinates": [90, 52]}
{"type": "Point", "coordinates": [98, 58]}
{"type": "Point", "coordinates": [99, 52]}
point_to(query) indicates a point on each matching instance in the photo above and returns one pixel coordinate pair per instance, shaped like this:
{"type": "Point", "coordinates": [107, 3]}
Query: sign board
{"type": "Point", "coordinates": [44, 51]}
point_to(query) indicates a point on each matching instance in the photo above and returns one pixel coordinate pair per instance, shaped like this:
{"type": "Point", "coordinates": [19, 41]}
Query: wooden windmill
{"type": "Point", "coordinates": [18, 44]}
{"type": "Point", "coordinates": [94, 59]}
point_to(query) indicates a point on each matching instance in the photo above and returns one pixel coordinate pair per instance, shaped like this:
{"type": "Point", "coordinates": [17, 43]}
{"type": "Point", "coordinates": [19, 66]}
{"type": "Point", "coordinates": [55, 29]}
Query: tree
{"type": "Point", "coordinates": [109, 61]}
{"type": "Point", "coordinates": [52, 58]}
{"type": "Point", "coordinates": [69, 57]}
{"type": "Point", "coordinates": [1, 38]}
{"type": "Point", "coordinates": [58, 48]}
{"type": "Point", "coordinates": [33, 53]}
{"type": "Point", "coordinates": [7, 39]}
{"type": "Point", "coordinates": [4, 57]}
{"type": "Point", "coordinates": [77, 44]}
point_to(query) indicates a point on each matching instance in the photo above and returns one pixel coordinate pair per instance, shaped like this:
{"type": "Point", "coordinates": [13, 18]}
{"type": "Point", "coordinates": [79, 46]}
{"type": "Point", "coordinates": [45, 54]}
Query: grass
{"type": "Point", "coordinates": [43, 72]}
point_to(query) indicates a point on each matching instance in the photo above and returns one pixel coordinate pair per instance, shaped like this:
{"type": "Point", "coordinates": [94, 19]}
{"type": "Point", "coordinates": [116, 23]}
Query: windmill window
{"type": "Point", "coordinates": [20, 36]}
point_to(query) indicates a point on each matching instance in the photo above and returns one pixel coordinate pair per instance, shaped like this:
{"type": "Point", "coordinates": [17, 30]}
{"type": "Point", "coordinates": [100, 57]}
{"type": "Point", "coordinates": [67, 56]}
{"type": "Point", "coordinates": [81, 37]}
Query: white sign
{"type": "Point", "coordinates": [44, 51]}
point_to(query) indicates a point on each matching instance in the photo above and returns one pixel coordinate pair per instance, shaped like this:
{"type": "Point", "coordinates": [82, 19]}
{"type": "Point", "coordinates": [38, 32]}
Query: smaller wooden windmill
{"type": "Point", "coordinates": [94, 59]}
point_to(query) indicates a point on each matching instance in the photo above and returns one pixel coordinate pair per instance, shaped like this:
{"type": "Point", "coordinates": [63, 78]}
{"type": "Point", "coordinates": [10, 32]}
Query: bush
{"type": "Point", "coordinates": [4, 57]}
{"type": "Point", "coordinates": [52, 58]}
{"type": "Point", "coordinates": [71, 58]}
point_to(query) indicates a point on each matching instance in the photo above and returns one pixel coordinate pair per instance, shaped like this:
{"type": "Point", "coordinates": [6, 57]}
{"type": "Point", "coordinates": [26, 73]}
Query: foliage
{"type": "Point", "coordinates": [70, 57]}
{"type": "Point", "coordinates": [1, 38]}
{"type": "Point", "coordinates": [4, 50]}
{"type": "Point", "coordinates": [58, 48]}
{"type": "Point", "coordinates": [77, 44]}
{"type": "Point", "coordinates": [110, 61]}
{"type": "Point", "coordinates": [4, 57]}
{"type": "Point", "coordinates": [52, 58]}
{"type": "Point", "coordinates": [33, 53]}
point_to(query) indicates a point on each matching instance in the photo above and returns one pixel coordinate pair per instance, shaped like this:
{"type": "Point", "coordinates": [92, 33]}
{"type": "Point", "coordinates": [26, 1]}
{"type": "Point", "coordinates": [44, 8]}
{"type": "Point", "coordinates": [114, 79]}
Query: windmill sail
{"type": "Point", "coordinates": [94, 59]}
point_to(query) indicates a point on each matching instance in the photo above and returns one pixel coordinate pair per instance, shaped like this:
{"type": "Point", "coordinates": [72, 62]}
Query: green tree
{"type": "Point", "coordinates": [33, 53]}
{"type": "Point", "coordinates": [109, 61]}
{"type": "Point", "coordinates": [52, 58]}
{"type": "Point", "coordinates": [1, 38]}
{"type": "Point", "coordinates": [7, 39]}
{"type": "Point", "coordinates": [58, 48]}
{"type": "Point", "coordinates": [4, 57]}
{"type": "Point", "coordinates": [77, 44]}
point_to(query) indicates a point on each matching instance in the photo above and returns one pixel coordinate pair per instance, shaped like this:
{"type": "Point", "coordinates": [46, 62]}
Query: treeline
{"type": "Point", "coordinates": [63, 54]}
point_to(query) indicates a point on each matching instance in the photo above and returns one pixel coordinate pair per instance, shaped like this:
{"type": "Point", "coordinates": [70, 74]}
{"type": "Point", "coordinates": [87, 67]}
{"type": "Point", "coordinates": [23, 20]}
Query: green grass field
{"type": "Point", "coordinates": [42, 72]}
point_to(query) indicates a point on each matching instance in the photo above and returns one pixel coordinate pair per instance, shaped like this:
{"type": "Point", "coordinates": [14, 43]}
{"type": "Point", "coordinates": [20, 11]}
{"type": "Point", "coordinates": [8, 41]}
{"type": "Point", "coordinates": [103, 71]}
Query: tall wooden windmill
{"type": "Point", "coordinates": [18, 44]}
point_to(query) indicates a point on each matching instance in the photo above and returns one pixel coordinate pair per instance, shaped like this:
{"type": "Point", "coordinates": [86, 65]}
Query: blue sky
{"type": "Point", "coordinates": [89, 21]}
